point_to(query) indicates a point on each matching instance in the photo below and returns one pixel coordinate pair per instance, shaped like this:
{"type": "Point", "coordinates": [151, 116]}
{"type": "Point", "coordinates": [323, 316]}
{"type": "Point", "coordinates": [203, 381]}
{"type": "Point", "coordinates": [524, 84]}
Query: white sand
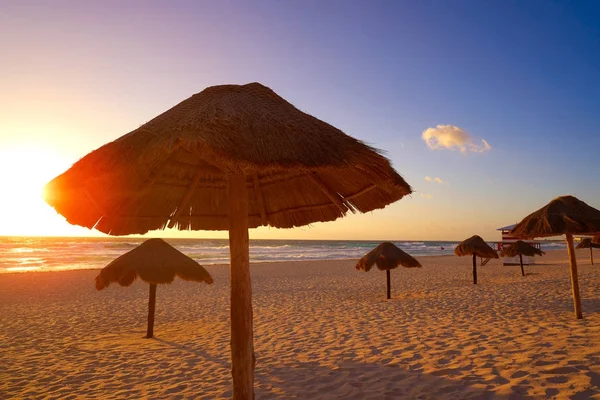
{"type": "Point", "coordinates": [322, 330]}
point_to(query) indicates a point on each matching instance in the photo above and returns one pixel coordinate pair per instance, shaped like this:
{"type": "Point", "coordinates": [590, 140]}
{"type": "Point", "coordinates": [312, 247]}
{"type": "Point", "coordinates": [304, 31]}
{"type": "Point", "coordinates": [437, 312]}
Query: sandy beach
{"type": "Point", "coordinates": [322, 330]}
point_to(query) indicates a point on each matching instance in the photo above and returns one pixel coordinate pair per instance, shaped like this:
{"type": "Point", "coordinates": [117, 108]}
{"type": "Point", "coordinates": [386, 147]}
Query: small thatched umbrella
{"type": "Point", "coordinates": [567, 216]}
{"type": "Point", "coordinates": [521, 248]}
{"type": "Point", "coordinates": [228, 158]}
{"type": "Point", "coordinates": [154, 261]}
{"type": "Point", "coordinates": [475, 246]}
{"type": "Point", "coordinates": [588, 243]}
{"type": "Point", "coordinates": [387, 257]}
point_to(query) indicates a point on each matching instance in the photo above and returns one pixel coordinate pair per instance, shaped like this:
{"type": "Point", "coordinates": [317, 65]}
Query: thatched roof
{"type": "Point", "coordinates": [173, 170]}
{"type": "Point", "coordinates": [587, 243]}
{"type": "Point", "coordinates": [154, 261]}
{"type": "Point", "coordinates": [565, 214]}
{"type": "Point", "coordinates": [520, 247]}
{"type": "Point", "coordinates": [386, 256]}
{"type": "Point", "coordinates": [475, 244]}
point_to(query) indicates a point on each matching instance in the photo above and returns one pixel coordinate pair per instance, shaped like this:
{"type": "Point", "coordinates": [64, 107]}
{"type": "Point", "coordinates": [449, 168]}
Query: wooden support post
{"type": "Point", "coordinates": [151, 308]}
{"type": "Point", "coordinates": [389, 290]}
{"type": "Point", "coordinates": [242, 344]}
{"type": "Point", "coordinates": [474, 269]}
{"type": "Point", "coordinates": [521, 260]}
{"type": "Point", "coordinates": [591, 255]}
{"type": "Point", "coordinates": [574, 278]}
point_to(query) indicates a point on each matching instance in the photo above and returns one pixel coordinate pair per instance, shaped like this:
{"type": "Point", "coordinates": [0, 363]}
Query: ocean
{"type": "Point", "coordinates": [24, 254]}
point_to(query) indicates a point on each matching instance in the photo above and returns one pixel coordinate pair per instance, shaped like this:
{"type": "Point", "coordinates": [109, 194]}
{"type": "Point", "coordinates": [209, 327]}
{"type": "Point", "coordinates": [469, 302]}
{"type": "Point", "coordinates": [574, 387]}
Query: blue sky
{"type": "Point", "coordinates": [522, 75]}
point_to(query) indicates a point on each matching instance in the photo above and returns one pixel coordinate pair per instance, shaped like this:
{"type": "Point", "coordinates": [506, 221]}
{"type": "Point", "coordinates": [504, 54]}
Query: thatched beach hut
{"type": "Point", "coordinates": [587, 243]}
{"type": "Point", "coordinates": [228, 158]}
{"type": "Point", "coordinates": [155, 262]}
{"type": "Point", "coordinates": [387, 257]}
{"type": "Point", "coordinates": [521, 249]}
{"type": "Point", "coordinates": [475, 246]}
{"type": "Point", "coordinates": [565, 215]}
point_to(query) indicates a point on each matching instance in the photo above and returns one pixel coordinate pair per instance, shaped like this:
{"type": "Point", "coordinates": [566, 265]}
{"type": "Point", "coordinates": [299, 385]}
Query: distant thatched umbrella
{"type": "Point", "coordinates": [154, 261]}
{"type": "Point", "coordinates": [475, 246]}
{"type": "Point", "coordinates": [521, 248]}
{"type": "Point", "coordinates": [588, 243]}
{"type": "Point", "coordinates": [567, 216]}
{"type": "Point", "coordinates": [387, 257]}
{"type": "Point", "coordinates": [228, 158]}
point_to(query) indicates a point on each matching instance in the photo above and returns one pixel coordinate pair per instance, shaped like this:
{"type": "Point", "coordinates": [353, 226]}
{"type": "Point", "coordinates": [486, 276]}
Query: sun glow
{"type": "Point", "coordinates": [24, 172]}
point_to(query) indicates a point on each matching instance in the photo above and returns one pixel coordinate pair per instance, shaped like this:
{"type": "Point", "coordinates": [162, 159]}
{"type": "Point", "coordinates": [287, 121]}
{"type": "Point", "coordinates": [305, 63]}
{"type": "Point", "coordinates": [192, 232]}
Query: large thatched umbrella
{"type": "Point", "coordinates": [228, 158]}
{"type": "Point", "coordinates": [387, 257]}
{"type": "Point", "coordinates": [587, 243]}
{"type": "Point", "coordinates": [521, 248]}
{"type": "Point", "coordinates": [154, 261]}
{"type": "Point", "coordinates": [475, 246]}
{"type": "Point", "coordinates": [567, 216]}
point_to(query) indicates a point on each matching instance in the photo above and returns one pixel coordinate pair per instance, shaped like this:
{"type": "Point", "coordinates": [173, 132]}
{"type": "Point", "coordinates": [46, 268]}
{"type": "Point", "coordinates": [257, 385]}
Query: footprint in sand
{"type": "Point", "coordinates": [561, 370]}
{"type": "Point", "coordinates": [558, 379]}
{"type": "Point", "coordinates": [521, 389]}
{"type": "Point", "coordinates": [519, 374]}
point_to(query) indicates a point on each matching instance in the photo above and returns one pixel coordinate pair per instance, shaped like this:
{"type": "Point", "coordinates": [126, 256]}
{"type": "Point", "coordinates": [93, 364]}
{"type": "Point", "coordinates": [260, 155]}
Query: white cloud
{"type": "Point", "coordinates": [426, 196]}
{"type": "Point", "coordinates": [436, 179]}
{"type": "Point", "coordinates": [453, 138]}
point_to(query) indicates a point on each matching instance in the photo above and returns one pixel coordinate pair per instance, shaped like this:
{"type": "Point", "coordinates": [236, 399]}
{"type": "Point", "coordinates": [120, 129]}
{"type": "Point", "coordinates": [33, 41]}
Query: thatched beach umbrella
{"type": "Point", "coordinates": [475, 246]}
{"type": "Point", "coordinates": [521, 248]}
{"type": "Point", "coordinates": [154, 261]}
{"type": "Point", "coordinates": [228, 158]}
{"type": "Point", "coordinates": [587, 243]}
{"type": "Point", "coordinates": [387, 257]}
{"type": "Point", "coordinates": [565, 215]}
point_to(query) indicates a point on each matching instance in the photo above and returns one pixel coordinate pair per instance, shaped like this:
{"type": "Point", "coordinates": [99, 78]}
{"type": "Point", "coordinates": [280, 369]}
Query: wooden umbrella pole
{"type": "Point", "coordinates": [521, 261]}
{"type": "Point", "coordinates": [389, 291]}
{"type": "Point", "coordinates": [474, 269]}
{"type": "Point", "coordinates": [574, 279]}
{"type": "Point", "coordinates": [151, 309]}
{"type": "Point", "coordinates": [242, 342]}
{"type": "Point", "coordinates": [591, 255]}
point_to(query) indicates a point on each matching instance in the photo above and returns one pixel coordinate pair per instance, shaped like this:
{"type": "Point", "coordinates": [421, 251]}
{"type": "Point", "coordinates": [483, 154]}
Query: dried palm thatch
{"type": "Point", "coordinates": [228, 158]}
{"type": "Point", "coordinates": [154, 261]}
{"type": "Point", "coordinates": [387, 257]}
{"type": "Point", "coordinates": [172, 171]}
{"type": "Point", "coordinates": [565, 215]}
{"type": "Point", "coordinates": [521, 248]}
{"type": "Point", "coordinates": [475, 246]}
{"type": "Point", "coordinates": [588, 243]}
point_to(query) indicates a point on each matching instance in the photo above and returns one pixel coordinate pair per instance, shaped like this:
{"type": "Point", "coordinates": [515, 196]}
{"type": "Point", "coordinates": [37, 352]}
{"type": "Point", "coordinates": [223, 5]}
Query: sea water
{"type": "Point", "coordinates": [22, 254]}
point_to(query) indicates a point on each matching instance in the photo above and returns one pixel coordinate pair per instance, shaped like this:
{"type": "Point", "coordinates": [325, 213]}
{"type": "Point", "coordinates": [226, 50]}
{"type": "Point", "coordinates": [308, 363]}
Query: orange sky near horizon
{"type": "Point", "coordinates": [27, 167]}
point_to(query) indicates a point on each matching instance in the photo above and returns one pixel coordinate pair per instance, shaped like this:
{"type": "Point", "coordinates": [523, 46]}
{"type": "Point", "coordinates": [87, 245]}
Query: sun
{"type": "Point", "coordinates": [24, 170]}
